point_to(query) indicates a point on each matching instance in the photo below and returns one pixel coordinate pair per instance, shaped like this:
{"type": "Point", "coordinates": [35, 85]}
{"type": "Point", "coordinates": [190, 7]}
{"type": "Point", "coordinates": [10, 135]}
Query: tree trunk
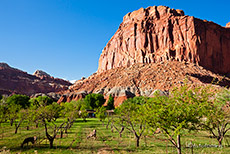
{"type": "Point", "coordinates": [220, 141]}
{"type": "Point", "coordinates": [137, 141]}
{"type": "Point", "coordinates": [27, 127]}
{"type": "Point", "coordinates": [66, 131]}
{"type": "Point", "coordinates": [16, 127]}
{"type": "Point", "coordinates": [11, 122]}
{"type": "Point", "coordinates": [122, 129]}
{"type": "Point", "coordinates": [178, 145]}
{"type": "Point", "coordinates": [51, 140]}
{"type": "Point", "coordinates": [16, 130]}
{"type": "Point", "coordinates": [61, 133]}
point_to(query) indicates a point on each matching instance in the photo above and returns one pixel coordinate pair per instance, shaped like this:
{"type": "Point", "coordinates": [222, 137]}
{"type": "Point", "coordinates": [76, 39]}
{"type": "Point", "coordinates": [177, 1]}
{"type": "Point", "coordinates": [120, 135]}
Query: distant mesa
{"type": "Point", "coordinates": [16, 81]}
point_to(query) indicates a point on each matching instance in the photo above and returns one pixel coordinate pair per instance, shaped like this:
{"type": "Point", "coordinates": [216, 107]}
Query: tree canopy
{"type": "Point", "coordinates": [93, 101]}
{"type": "Point", "coordinates": [21, 100]}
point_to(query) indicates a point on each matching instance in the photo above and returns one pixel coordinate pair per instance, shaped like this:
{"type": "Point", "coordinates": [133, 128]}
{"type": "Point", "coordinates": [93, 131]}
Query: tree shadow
{"type": "Point", "coordinates": [225, 82]}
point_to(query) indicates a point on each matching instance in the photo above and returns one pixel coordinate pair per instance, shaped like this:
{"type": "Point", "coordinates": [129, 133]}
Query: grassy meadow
{"type": "Point", "coordinates": [75, 141]}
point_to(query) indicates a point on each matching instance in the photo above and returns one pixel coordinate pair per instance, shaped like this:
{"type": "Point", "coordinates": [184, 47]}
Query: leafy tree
{"type": "Point", "coordinates": [131, 116]}
{"type": "Point", "coordinates": [12, 112]}
{"type": "Point", "coordinates": [93, 101]}
{"type": "Point", "coordinates": [70, 113]}
{"type": "Point", "coordinates": [41, 101]}
{"type": "Point", "coordinates": [110, 104]}
{"type": "Point", "coordinates": [21, 100]}
{"type": "Point", "coordinates": [3, 110]}
{"type": "Point", "coordinates": [217, 116]}
{"type": "Point", "coordinates": [183, 109]}
{"type": "Point", "coordinates": [82, 108]}
{"type": "Point", "coordinates": [47, 116]}
{"type": "Point", "coordinates": [23, 114]}
{"type": "Point", "coordinates": [101, 113]}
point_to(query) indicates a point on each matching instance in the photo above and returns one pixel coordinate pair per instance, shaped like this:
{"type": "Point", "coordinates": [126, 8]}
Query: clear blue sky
{"type": "Point", "coordinates": [65, 37]}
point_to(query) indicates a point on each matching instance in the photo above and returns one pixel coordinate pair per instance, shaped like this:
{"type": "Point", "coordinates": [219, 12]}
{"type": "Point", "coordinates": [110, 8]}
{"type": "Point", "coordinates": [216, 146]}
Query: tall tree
{"type": "Point", "coordinates": [47, 116]}
{"type": "Point", "coordinates": [217, 116]}
{"type": "Point", "coordinates": [93, 101]}
{"type": "Point", "coordinates": [183, 109]}
{"type": "Point", "coordinates": [131, 116]}
{"type": "Point", "coordinates": [110, 103]}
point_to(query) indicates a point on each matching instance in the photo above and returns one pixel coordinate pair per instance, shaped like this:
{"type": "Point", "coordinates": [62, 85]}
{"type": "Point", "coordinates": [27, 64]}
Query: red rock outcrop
{"type": "Point", "coordinates": [144, 79]}
{"type": "Point", "coordinates": [16, 81]}
{"type": "Point", "coordinates": [158, 34]}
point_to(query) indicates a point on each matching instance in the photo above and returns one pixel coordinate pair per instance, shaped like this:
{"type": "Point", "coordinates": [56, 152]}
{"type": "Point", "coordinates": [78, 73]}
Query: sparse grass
{"type": "Point", "coordinates": [106, 141]}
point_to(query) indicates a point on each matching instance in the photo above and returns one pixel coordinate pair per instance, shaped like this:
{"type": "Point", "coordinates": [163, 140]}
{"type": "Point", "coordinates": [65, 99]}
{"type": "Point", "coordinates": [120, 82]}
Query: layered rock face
{"type": "Point", "coordinates": [16, 81]}
{"type": "Point", "coordinates": [143, 80]}
{"type": "Point", "coordinates": [158, 34]}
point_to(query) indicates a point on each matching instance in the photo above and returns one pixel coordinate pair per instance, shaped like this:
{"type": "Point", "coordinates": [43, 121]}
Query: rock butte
{"type": "Point", "coordinates": [157, 48]}
{"type": "Point", "coordinates": [158, 34]}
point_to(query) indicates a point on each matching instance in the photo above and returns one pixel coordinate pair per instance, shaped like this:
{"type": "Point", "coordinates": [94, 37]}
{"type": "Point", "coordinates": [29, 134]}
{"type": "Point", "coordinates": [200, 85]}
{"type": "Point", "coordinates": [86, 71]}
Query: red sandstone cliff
{"type": "Point", "coordinates": [158, 48]}
{"type": "Point", "coordinates": [159, 34]}
{"type": "Point", "coordinates": [16, 81]}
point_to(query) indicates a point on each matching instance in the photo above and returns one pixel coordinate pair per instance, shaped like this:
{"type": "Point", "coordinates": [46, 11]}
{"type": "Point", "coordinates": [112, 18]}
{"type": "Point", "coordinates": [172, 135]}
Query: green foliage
{"type": "Point", "coordinates": [82, 108]}
{"type": "Point", "coordinates": [41, 101]}
{"type": "Point", "coordinates": [101, 113]}
{"type": "Point", "coordinates": [70, 111]}
{"type": "Point", "coordinates": [110, 104]}
{"type": "Point", "coordinates": [131, 116]}
{"type": "Point", "coordinates": [182, 110]}
{"type": "Point", "coordinates": [217, 116]}
{"type": "Point", "coordinates": [94, 101]}
{"type": "Point", "coordinates": [21, 100]}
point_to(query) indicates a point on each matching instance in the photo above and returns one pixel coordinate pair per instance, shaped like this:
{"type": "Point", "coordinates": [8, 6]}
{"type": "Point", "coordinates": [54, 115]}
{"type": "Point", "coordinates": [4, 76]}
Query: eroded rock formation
{"type": "Point", "coordinates": [158, 34]}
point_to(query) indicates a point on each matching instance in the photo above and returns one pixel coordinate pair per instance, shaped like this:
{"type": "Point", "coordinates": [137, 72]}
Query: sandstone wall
{"type": "Point", "coordinates": [159, 34]}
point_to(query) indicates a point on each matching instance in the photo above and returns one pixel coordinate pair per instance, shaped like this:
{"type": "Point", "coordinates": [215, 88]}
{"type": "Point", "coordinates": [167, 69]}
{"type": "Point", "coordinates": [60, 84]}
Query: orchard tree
{"type": "Point", "coordinates": [101, 114]}
{"type": "Point", "coordinates": [47, 115]}
{"type": "Point", "coordinates": [131, 116]}
{"type": "Point", "coordinates": [22, 115]}
{"type": "Point", "coordinates": [3, 110]}
{"type": "Point", "coordinates": [12, 112]}
{"type": "Point", "coordinates": [82, 108]}
{"type": "Point", "coordinates": [70, 113]}
{"type": "Point", "coordinates": [217, 116]}
{"type": "Point", "coordinates": [183, 109]}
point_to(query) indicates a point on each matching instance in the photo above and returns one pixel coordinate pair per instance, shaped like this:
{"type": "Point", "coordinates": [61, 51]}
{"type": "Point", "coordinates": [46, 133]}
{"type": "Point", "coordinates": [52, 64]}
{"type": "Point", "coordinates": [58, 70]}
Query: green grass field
{"type": "Point", "coordinates": [106, 142]}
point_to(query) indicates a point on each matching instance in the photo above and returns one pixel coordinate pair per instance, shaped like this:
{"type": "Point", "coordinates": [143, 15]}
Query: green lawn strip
{"type": "Point", "coordinates": [106, 141]}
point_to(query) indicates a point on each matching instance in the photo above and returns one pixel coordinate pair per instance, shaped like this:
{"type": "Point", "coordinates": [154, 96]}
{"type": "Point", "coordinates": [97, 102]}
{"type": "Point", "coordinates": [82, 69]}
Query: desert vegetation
{"type": "Point", "coordinates": [188, 120]}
